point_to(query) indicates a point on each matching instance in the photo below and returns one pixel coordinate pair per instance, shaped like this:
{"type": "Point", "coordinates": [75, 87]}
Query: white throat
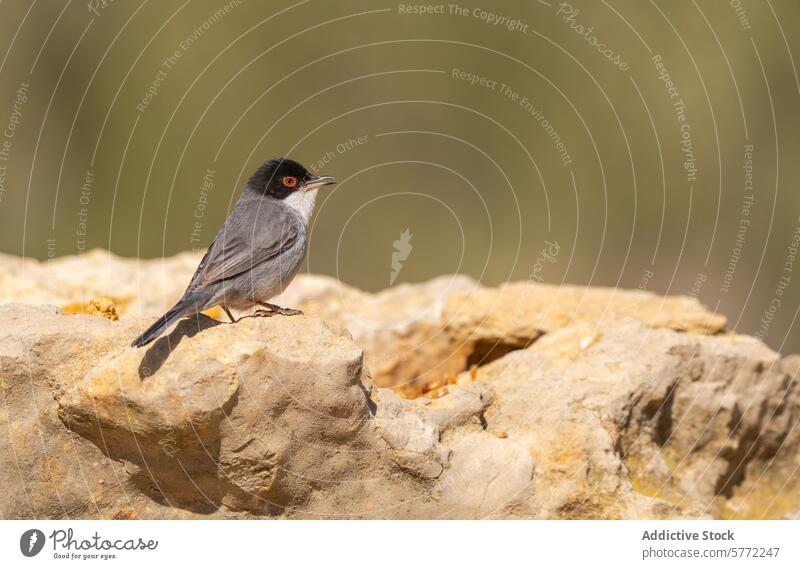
{"type": "Point", "coordinates": [303, 203]}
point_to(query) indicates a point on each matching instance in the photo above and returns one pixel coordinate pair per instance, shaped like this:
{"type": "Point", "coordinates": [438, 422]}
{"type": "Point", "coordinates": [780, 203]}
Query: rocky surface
{"type": "Point", "coordinates": [525, 401]}
{"type": "Point", "coordinates": [414, 336]}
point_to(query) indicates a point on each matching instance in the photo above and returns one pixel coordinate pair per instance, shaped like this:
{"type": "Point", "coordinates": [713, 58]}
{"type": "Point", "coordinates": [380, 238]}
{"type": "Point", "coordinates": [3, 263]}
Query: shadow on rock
{"type": "Point", "coordinates": [159, 352]}
{"type": "Point", "coordinates": [178, 467]}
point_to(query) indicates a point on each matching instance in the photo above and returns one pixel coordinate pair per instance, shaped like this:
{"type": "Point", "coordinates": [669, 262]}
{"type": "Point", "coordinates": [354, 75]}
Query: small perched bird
{"type": "Point", "coordinates": [258, 250]}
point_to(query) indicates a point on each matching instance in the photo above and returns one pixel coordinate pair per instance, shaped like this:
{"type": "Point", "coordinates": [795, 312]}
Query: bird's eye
{"type": "Point", "coordinates": [289, 181]}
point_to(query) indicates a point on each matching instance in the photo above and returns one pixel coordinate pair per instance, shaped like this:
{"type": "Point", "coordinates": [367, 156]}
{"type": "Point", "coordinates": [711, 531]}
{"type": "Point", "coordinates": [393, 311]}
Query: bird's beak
{"type": "Point", "coordinates": [316, 182]}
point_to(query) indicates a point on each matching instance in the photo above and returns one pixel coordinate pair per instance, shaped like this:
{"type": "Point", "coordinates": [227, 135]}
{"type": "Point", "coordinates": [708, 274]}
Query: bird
{"type": "Point", "coordinates": [257, 251]}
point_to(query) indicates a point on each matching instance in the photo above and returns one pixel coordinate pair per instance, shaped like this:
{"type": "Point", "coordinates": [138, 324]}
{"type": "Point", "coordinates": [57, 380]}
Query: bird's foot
{"type": "Point", "coordinates": [290, 312]}
{"type": "Point", "coordinates": [277, 310]}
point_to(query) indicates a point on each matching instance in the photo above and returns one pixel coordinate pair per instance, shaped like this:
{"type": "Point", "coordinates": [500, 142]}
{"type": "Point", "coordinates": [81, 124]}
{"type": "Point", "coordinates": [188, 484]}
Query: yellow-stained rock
{"type": "Point", "coordinates": [103, 306]}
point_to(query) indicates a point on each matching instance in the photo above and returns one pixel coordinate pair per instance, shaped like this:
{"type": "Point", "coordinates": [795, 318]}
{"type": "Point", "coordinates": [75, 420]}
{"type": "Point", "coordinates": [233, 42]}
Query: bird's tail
{"type": "Point", "coordinates": [161, 324]}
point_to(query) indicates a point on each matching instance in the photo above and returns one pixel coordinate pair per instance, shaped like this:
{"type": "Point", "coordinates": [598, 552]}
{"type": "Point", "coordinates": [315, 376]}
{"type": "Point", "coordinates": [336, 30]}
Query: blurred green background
{"type": "Point", "coordinates": [515, 140]}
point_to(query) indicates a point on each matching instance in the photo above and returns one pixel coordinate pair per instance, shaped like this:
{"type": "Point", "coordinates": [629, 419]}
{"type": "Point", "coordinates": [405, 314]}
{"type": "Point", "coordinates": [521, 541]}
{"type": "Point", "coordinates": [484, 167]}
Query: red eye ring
{"type": "Point", "coordinates": [289, 181]}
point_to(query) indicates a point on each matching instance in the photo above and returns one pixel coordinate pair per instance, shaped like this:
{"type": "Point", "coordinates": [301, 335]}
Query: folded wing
{"type": "Point", "coordinates": [255, 236]}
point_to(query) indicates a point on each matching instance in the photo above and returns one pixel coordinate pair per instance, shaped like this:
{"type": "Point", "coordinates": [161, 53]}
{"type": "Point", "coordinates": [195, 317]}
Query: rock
{"type": "Point", "coordinates": [400, 329]}
{"type": "Point", "coordinates": [501, 469]}
{"type": "Point", "coordinates": [138, 287]}
{"type": "Point", "coordinates": [252, 417]}
{"type": "Point", "coordinates": [414, 438]}
{"type": "Point", "coordinates": [518, 313]}
{"type": "Point", "coordinates": [627, 421]}
{"type": "Point", "coordinates": [540, 402]}
{"type": "Point", "coordinates": [103, 306]}
{"type": "Point", "coordinates": [270, 416]}
{"type": "Point", "coordinates": [47, 471]}
{"type": "Point", "coordinates": [415, 337]}
{"type": "Point", "coordinates": [391, 326]}
{"type": "Point", "coordinates": [769, 485]}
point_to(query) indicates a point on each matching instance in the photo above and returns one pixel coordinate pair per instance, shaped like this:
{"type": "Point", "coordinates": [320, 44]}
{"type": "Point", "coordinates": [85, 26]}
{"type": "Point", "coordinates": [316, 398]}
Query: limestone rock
{"type": "Point", "coordinates": [267, 417]}
{"type": "Point", "coordinates": [628, 421]}
{"type": "Point", "coordinates": [401, 329]}
{"type": "Point", "coordinates": [138, 287]}
{"type": "Point", "coordinates": [550, 402]}
{"type": "Point", "coordinates": [252, 416]}
{"type": "Point", "coordinates": [47, 471]}
{"type": "Point", "coordinates": [415, 337]}
{"type": "Point", "coordinates": [414, 438]}
{"type": "Point", "coordinates": [521, 312]}
{"type": "Point", "coordinates": [501, 469]}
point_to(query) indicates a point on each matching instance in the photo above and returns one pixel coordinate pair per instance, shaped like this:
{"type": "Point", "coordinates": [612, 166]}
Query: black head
{"type": "Point", "coordinates": [281, 177]}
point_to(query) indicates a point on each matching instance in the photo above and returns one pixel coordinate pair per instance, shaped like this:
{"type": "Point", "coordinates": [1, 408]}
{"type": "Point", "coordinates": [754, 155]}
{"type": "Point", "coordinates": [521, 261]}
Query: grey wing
{"type": "Point", "coordinates": [248, 238]}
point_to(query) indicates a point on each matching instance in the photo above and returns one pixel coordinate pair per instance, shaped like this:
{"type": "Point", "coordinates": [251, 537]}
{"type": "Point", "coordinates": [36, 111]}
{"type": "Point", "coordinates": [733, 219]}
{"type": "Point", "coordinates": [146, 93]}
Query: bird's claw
{"type": "Point", "coordinates": [261, 313]}
{"type": "Point", "coordinates": [290, 312]}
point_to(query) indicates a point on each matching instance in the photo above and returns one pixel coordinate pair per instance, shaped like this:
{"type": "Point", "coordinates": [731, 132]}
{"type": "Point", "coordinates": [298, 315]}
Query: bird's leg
{"type": "Point", "coordinates": [228, 312]}
{"type": "Point", "coordinates": [273, 309]}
